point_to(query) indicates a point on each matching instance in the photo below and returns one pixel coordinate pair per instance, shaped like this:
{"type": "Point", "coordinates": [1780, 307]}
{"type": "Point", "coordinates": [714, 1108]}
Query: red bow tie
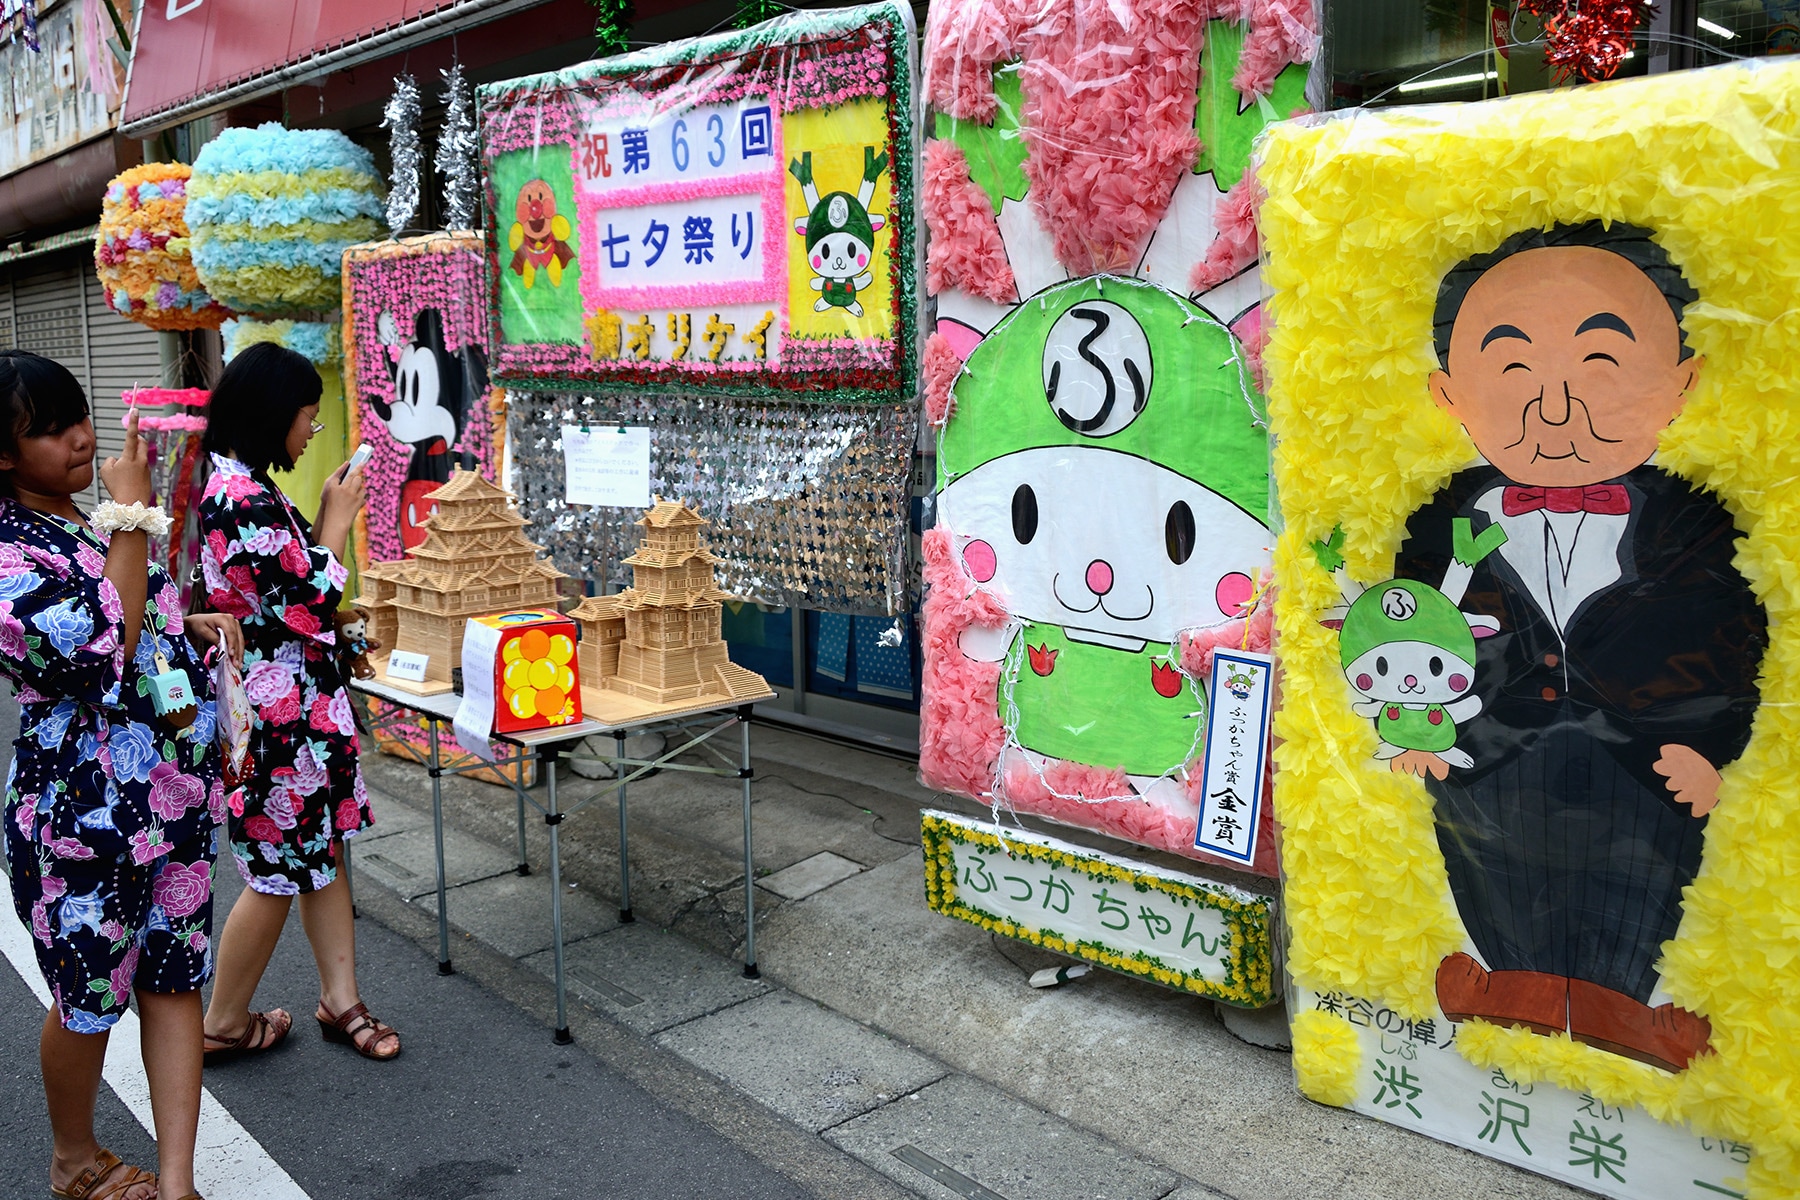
{"type": "Point", "coordinates": [1608, 499]}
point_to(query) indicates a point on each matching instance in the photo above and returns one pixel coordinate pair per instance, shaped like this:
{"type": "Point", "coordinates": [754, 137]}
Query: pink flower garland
{"type": "Point", "coordinates": [966, 251]}
{"type": "Point", "coordinates": [941, 367]}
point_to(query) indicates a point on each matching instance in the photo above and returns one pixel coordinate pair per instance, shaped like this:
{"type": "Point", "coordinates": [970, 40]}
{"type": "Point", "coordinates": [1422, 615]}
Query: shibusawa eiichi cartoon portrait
{"type": "Point", "coordinates": [840, 233]}
{"type": "Point", "coordinates": [1620, 676]}
{"type": "Point", "coordinates": [1105, 479]}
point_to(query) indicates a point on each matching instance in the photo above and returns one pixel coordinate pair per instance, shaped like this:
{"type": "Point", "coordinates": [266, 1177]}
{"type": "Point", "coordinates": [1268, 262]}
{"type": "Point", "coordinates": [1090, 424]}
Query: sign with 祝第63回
{"type": "Point", "coordinates": [1165, 926]}
{"type": "Point", "coordinates": [732, 212]}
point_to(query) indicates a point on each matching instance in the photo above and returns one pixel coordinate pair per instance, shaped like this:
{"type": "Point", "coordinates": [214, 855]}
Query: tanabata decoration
{"type": "Point", "coordinates": [172, 426]}
{"type": "Point", "coordinates": [1531, 384]}
{"type": "Point", "coordinates": [271, 211]}
{"type": "Point", "coordinates": [1102, 513]}
{"type": "Point", "coordinates": [401, 119]}
{"type": "Point", "coordinates": [416, 378]}
{"type": "Point", "coordinates": [458, 157]}
{"type": "Point", "coordinates": [141, 251]}
{"type": "Point", "coordinates": [728, 214]}
{"type": "Point", "coordinates": [808, 501]}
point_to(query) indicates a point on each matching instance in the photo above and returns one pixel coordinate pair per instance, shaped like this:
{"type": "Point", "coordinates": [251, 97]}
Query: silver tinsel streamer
{"type": "Point", "coordinates": [458, 152]}
{"type": "Point", "coordinates": [401, 120]}
{"type": "Point", "coordinates": [809, 502]}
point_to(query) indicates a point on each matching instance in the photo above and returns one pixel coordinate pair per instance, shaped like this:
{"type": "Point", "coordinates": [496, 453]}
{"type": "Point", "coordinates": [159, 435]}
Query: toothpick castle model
{"type": "Point", "coordinates": [475, 560]}
{"type": "Point", "coordinates": [657, 647]}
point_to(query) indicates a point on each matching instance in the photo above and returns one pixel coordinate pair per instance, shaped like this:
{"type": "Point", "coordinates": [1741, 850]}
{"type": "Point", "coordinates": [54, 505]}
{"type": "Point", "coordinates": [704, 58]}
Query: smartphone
{"type": "Point", "coordinates": [363, 454]}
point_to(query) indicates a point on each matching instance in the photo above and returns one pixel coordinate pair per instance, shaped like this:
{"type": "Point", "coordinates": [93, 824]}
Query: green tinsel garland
{"type": "Point", "coordinates": [612, 26]}
{"type": "Point", "coordinates": [755, 12]}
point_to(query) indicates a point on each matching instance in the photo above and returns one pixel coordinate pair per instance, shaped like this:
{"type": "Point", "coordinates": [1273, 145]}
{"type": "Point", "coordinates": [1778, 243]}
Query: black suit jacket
{"type": "Point", "coordinates": [1668, 654]}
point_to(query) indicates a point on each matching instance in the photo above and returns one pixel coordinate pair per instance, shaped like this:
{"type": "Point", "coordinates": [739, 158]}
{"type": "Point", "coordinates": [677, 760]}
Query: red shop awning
{"type": "Point", "coordinates": [191, 57]}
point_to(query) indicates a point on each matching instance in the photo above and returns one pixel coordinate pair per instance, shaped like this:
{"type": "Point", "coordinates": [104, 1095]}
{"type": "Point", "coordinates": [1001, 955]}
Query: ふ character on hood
{"type": "Point", "coordinates": [432, 390]}
{"type": "Point", "coordinates": [1409, 652]}
{"type": "Point", "coordinates": [1105, 478]}
{"type": "Point", "coordinates": [840, 233]}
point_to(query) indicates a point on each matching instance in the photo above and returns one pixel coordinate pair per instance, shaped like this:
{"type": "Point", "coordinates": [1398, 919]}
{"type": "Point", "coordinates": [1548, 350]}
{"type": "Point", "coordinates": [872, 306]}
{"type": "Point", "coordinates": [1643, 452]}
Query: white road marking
{"type": "Point", "coordinates": [229, 1164]}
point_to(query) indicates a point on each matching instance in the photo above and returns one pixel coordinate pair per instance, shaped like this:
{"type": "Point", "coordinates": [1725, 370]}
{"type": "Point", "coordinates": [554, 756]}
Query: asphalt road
{"type": "Point", "coordinates": [480, 1104]}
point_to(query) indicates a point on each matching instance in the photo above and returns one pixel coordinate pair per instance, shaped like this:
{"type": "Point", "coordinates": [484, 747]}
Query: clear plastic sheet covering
{"type": "Point", "coordinates": [730, 214]}
{"type": "Point", "coordinates": [1532, 375]}
{"type": "Point", "coordinates": [1103, 496]}
{"type": "Point", "coordinates": [809, 502]}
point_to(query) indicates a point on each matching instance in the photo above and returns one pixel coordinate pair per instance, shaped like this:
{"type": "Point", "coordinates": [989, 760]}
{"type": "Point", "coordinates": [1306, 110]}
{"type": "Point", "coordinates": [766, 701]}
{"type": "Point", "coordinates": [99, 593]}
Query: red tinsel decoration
{"type": "Point", "coordinates": [1589, 38]}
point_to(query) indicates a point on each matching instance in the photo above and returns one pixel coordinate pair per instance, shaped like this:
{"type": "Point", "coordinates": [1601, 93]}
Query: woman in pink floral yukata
{"type": "Point", "coordinates": [113, 801]}
{"type": "Point", "coordinates": [302, 792]}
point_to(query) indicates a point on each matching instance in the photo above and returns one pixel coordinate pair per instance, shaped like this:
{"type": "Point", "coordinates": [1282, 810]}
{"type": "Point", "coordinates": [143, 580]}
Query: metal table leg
{"type": "Point", "coordinates": [436, 770]}
{"type": "Point", "coordinates": [625, 917]}
{"type": "Point", "coordinates": [744, 773]}
{"type": "Point", "coordinates": [519, 760]}
{"type": "Point", "coordinates": [553, 818]}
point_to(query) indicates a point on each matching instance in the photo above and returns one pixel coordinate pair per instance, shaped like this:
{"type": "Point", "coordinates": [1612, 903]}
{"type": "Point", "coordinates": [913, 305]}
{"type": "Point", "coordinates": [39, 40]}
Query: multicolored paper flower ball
{"type": "Point", "coordinates": [272, 209]}
{"type": "Point", "coordinates": [319, 342]}
{"type": "Point", "coordinates": [141, 252]}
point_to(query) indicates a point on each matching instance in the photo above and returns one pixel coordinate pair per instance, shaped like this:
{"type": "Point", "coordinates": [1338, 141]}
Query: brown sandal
{"type": "Point", "coordinates": [107, 1179]}
{"type": "Point", "coordinates": [344, 1027]}
{"type": "Point", "coordinates": [251, 1041]}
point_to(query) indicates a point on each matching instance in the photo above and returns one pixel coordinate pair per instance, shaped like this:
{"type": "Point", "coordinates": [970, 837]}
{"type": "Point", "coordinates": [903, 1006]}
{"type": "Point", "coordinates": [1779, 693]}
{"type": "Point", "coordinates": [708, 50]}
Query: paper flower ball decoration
{"type": "Point", "coordinates": [141, 252]}
{"type": "Point", "coordinates": [319, 342]}
{"type": "Point", "coordinates": [272, 209]}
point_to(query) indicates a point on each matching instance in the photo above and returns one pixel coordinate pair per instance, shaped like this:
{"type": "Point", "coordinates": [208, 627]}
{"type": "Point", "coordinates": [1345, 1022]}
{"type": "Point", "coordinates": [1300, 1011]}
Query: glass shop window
{"type": "Point", "coordinates": [1748, 28]}
{"type": "Point", "coordinates": [1427, 51]}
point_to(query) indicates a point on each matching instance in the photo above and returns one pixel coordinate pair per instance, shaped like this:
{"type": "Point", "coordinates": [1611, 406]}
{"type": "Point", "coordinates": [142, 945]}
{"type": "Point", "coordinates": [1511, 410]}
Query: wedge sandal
{"type": "Point", "coordinates": [344, 1027]}
{"type": "Point", "coordinates": [107, 1179]}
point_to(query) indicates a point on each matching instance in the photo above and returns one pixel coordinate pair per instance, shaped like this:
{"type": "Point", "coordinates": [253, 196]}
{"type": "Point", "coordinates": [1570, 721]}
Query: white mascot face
{"type": "Point", "coordinates": [1103, 542]}
{"type": "Point", "coordinates": [417, 416]}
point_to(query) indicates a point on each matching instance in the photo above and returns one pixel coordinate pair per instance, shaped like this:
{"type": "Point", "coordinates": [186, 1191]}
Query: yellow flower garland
{"type": "Point", "coordinates": [1363, 217]}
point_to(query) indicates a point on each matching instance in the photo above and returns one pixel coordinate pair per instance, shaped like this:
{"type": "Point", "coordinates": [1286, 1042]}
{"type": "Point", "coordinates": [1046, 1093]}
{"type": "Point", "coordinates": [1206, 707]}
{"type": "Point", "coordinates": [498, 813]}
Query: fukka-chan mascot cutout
{"type": "Point", "coordinates": [1409, 651]}
{"type": "Point", "coordinates": [840, 233]}
{"type": "Point", "coordinates": [539, 238]}
{"type": "Point", "coordinates": [1105, 479]}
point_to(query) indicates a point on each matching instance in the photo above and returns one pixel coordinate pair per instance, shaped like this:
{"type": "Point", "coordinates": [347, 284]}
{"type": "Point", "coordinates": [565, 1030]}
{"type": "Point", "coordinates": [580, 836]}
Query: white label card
{"type": "Point", "coordinates": [403, 664]}
{"type": "Point", "coordinates": [1237, 740]}
{"type": "Point", "coordinates": [607, 466]}
{"type": "Point", "coordinates": [475, 715]}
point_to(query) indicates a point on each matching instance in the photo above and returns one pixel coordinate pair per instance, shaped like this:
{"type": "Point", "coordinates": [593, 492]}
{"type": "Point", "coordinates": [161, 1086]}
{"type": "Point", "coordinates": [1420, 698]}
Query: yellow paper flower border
{"type": "Point", "coordinates": [1364, 215]}
{"type": "Point", "coordinates": [1249, 979]}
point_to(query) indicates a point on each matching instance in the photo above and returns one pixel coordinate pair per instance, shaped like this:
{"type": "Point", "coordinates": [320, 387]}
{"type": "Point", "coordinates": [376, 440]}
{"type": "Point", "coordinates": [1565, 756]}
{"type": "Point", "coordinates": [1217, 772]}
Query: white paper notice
{"type": "Point", "coordinates": [475, 715]}
{"type": "Point", "coordinates": [608, 466]}
{"type": "Point", "coordinates": [1237, 739]}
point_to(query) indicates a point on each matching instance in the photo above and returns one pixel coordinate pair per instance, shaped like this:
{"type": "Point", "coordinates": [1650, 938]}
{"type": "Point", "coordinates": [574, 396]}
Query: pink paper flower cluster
{"type": "Point", "coordinates": [966, 251]}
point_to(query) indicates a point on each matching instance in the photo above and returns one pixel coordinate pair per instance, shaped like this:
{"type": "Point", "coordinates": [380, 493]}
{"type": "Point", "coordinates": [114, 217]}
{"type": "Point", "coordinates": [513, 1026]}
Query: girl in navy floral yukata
{"type": "Point", "coordinates": [111, 808]}
{"type": "Point", "coordinates": [302, 791]}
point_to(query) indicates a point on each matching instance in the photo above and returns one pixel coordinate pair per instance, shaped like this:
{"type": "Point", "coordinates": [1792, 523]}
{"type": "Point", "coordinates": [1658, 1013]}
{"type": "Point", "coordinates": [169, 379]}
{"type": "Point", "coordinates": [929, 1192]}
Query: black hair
{"type": "Point", "coordinates": [254, 404]}
{"type": "Point", "coordinates": [38, 397]}
{"type": "Point", "coordinates": [1630, 242]}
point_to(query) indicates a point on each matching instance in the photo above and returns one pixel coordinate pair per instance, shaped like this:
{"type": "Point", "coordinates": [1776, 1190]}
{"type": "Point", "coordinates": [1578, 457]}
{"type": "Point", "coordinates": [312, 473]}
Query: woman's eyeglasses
{"type": "Point", "coordinates": [316, 426]}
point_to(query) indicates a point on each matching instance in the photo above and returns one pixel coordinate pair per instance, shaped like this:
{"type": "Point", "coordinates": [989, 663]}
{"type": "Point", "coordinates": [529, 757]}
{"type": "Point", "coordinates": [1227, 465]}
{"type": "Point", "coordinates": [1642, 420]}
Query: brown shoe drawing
{"type": "Point", "coordinates": [1530, 998]}
{"type": "Point", "coordinates": [1665, 1036]}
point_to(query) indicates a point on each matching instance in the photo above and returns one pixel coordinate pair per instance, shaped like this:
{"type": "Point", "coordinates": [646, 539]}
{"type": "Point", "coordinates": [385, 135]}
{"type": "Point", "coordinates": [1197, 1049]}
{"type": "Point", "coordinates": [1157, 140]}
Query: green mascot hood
{"type": "Point", "coordinates": [838, 212]}
{"type": "Point", "coordinates": [1201, 415]}
{"type": "Point", "coordinates": [1404, 610]}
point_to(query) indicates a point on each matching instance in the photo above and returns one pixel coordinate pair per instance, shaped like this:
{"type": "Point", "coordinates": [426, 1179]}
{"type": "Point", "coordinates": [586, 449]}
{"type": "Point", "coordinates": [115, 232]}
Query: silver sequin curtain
{"type": "Point", "coordinates": [808, 501]}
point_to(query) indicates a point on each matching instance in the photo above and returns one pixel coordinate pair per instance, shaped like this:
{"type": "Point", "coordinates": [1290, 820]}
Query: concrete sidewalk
{"type": "Point", "coordinates": [910, 1041]}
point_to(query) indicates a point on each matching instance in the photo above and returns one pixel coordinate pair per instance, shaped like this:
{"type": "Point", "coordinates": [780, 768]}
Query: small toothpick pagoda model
{"type": "Point", "coordinates": [475, 560]}
{"type": "Point", "coordinates": [657, 646]}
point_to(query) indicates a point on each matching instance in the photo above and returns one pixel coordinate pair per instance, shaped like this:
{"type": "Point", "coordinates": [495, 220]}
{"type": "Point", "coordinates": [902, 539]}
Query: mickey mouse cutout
{"type": "Point", "coordinates": [432, 389]}
{"type": "Point", "coordinates": [840, 233]}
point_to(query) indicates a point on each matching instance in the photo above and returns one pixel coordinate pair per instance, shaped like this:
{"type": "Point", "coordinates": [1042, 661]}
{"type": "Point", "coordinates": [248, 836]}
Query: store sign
{"type": "Point", "coordinates": [732, 211]}
{"type": "Point", "coordinates": [1411, 1074]}
{"type": "Point", "coordinates": [49, 101]}
{"type": "Point", "coordinates": [1175, 929]}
